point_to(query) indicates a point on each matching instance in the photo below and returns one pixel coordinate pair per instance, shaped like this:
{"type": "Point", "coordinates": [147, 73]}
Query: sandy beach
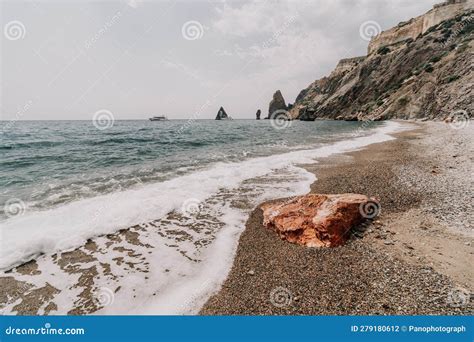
{"type": "Point", "coordinates": [413, 259]}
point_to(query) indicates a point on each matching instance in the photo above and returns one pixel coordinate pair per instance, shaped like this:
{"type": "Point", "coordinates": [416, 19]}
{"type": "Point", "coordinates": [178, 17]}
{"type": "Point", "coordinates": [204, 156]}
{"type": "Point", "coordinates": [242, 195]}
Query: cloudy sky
{"type": "Point", "coordinates": [69, 59]}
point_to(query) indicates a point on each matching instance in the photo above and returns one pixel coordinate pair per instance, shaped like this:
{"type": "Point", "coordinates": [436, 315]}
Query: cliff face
{"type": "Point", "coordinates": [428, 76]}
{"type": "Point", "coordinates": [413, 28]}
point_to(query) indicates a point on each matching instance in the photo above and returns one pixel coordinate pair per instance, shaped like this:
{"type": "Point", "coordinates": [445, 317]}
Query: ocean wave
{"type": "Point", "coordinates": [127, 141]}
{"type": "Point", "coordinates": [70, 225]}
{"type": "Point", "coordinates": [31, 145]}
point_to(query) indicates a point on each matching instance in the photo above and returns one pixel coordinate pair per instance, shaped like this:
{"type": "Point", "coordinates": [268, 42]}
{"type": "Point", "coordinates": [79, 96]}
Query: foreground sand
{"type": "Point", "coordinates": [414, 259]}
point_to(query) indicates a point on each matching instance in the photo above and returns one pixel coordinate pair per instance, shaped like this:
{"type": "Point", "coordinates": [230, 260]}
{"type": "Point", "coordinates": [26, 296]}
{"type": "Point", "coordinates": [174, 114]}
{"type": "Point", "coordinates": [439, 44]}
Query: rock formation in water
{"type": "Point", "coordinates": [221, 114]}
{"type": "Point", "coordinates": [276, 104]}
{"type": "Point", "coordinates": [317, 220]}
{"type": "Point", "coordinates": [259, 112]}
{"type": "Point", "coordinates": [421, 68]}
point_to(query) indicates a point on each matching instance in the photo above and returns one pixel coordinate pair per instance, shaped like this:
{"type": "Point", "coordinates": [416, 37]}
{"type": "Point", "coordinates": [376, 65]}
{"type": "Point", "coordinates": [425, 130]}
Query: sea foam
{"type": "Point", "coordinates": [71, 225]}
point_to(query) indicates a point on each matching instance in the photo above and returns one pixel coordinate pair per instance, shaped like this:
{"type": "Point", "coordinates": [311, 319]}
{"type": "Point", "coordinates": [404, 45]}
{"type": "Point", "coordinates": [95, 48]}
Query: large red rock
{"type": "Point", "coordinates": [317, 220]}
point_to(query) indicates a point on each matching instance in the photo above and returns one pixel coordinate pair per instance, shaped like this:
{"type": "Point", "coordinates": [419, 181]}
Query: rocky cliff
{"type": "Point", "coordinates": [412, 28]}
{"type": "Point", "coordinates": [404, 76]}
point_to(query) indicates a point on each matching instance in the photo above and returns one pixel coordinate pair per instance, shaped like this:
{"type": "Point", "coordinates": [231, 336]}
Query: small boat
{"type": "Point", "coordinates": [159, 118]}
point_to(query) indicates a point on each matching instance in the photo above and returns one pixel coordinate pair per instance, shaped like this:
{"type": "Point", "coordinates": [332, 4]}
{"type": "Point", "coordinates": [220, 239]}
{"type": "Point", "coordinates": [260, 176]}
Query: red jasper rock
{"type": "Point", "coordinates": [317, 220]}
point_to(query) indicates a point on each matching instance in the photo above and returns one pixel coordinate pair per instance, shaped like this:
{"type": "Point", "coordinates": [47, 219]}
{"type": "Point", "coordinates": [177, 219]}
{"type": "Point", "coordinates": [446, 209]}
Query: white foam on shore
{"type": "Point", "coordinates": [187, 289]}
{"type": "Point", "coordinates": [187, 297]}
{"type": "Point", "coordinates": [70, 226]}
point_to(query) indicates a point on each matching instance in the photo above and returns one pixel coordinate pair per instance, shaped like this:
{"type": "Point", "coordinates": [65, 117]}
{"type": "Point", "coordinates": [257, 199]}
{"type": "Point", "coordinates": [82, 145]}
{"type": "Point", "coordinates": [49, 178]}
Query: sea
{"type": "Point", "coordinates": [193, 183]}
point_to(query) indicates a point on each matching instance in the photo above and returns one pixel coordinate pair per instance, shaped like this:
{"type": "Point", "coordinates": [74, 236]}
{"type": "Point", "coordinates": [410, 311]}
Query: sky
{"type": "Point", "coordinates": [68, 60]}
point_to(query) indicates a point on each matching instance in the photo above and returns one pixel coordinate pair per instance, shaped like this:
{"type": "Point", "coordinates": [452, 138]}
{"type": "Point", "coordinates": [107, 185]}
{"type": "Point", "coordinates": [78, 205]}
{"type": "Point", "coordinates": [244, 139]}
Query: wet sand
{"type": "Point", "coordinates": [413, 259]}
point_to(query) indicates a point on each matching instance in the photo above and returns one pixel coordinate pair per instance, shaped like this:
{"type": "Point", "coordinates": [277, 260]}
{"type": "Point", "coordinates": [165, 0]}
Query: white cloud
{"type": "Point", "coordinates": [250, 49]}
{"type": "Point", "coordinates": [283, 40]}
{"type": "Point", "coordinates": [291, 43]}
{"type": "Point", "coordinates": [252, 18]}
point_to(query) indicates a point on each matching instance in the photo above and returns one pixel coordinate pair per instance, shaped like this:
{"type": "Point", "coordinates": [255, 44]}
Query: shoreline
{"type": "Point", "coordinates": [407, 261]}
{"type": "Point", "coordinates": [92, 270]}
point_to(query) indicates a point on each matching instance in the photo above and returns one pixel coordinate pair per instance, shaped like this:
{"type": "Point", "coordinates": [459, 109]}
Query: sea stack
{"type": "Point", "coordinates": [276, 104]}
{"type": "Point", "coordinates": [221, 114]}
{"type": "Point", "coordinates": [259, 112]}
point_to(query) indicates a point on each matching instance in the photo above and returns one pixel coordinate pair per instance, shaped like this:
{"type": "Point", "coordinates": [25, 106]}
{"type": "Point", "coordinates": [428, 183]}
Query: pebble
{"type": "Point", "coordinates": [396, 286]}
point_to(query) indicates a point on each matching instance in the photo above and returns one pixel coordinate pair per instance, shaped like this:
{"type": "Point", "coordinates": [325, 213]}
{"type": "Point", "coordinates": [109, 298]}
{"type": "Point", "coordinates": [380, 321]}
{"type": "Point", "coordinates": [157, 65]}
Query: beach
{"type": "Point", "coordinates": [414, 259]}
